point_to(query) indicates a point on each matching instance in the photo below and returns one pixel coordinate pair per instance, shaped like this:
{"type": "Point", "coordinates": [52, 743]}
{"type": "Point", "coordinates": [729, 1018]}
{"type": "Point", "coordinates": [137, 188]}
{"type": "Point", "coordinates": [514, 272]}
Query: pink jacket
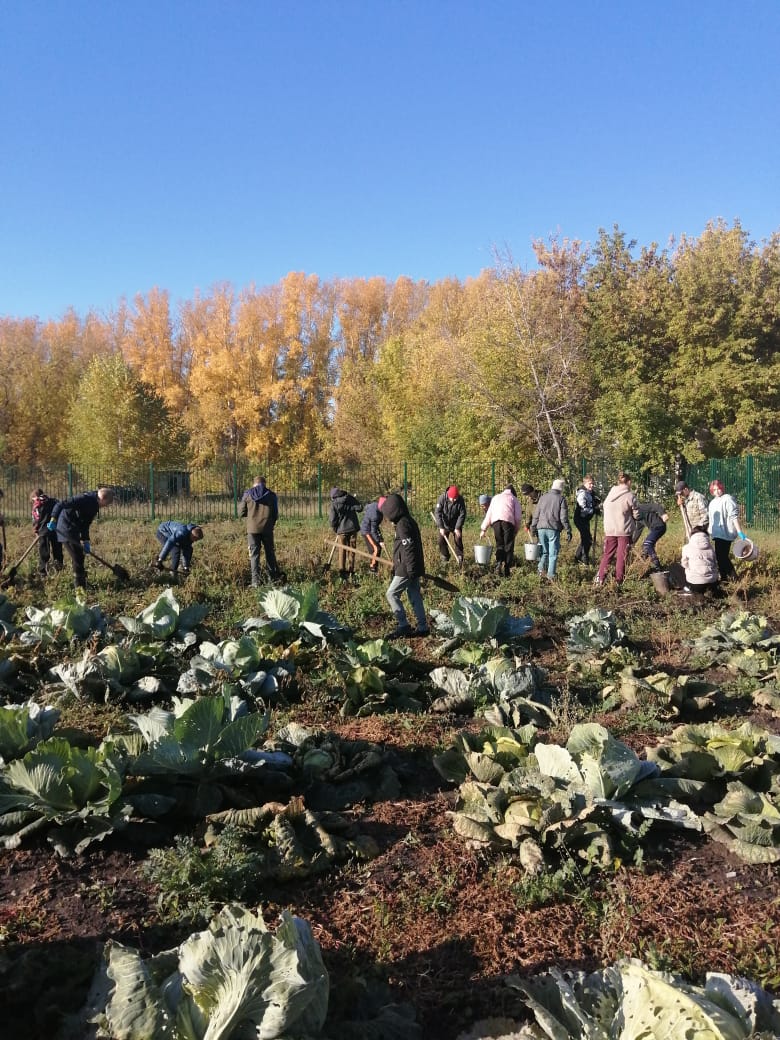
{"type": "Point", "coordinates": [503, 507]}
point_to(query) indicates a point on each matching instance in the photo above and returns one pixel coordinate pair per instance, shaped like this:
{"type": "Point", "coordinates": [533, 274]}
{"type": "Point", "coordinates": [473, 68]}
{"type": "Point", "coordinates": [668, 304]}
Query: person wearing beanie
{"type": "Point", "coordinates": [450, 516]}
{"type": "Point", "coordinates": [343, 519]}
{"type": "Point", "coordinates": [724, 527]}
{"type": "Point", "coordinates": [587, 505]}
{"type": "Point", "coordinates": [484, 502]}
{"type": "Point", "coordinates": [504, 515]}
{"type": "Point", "coordinates": [621, 512]}
{"type": "Point", "coordinates": [371, 529]}
{"type": "Point", "coordinates": [693, 506]}
{"type": "Point", "coordinates": [550, 517]}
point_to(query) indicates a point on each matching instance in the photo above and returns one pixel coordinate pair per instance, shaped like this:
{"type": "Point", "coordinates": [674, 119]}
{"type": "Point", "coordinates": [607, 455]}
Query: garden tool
{"type": "Point", "coordinates": [432, 578]}
{"type": "Point", "coordinates": [9, 579]}
{"type": "Point", "coordinates": [326, 566]}
{"type": "Point", "coordinates": [453, 554]}
{"type": "Point", "coordinates": [116, 568]}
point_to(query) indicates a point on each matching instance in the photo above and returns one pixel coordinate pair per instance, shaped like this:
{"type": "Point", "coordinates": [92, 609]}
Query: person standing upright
{"type": "Point", "coordinates": [343, 519]}
{"type": "Point", "coordinates": [260, 508]}
{"type": "Point", "coordinates": [71, 519]}
{"type": "Point", "coordinates": [725, 527]}
{"type": "Point", "coordinates": [693, 506]}
{"type": "Point", "coordinates": [586, 506]}
{"type": "Point", "coordinates": [504, 516]}
{"type": "Point", "coordinates": [621, 512]}
{"type": "Point", "coordinates": [371, 529]}
{"type": "Point", "coordinates": [48, 546]}
{"type": "Point", "coordinates": [550, 517]}
{"type": "Point", "coordinates": [450, 516]}
{"type": "Point", "coordinates": [408, 569]}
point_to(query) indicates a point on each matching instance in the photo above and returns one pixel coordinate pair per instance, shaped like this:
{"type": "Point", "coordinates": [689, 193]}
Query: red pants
{"type": "Point", "coordinates": [615, 548]}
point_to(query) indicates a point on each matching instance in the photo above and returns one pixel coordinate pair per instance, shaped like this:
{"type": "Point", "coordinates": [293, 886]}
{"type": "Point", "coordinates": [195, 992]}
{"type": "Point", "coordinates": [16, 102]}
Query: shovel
{"type": "Point", "coordinates": [453, 554]}
{"type": "Point", "coordinates": [326, 566]}
{"type": "Point", "coordinates": [116, 568]}
{"type": "Point", "coordinates": [9, 579]}
{"type": "Point", "coordinates": [440, 583]}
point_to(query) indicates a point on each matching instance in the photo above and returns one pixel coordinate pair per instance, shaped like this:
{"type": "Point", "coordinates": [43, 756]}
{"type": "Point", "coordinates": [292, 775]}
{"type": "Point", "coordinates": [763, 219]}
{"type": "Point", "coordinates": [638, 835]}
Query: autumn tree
{"type": "Point", "coordinates": [525, 355]}
{"type": "Point", "coordinates": [152, 347]}
{"type": "Point", "coordinates": [116, 422]}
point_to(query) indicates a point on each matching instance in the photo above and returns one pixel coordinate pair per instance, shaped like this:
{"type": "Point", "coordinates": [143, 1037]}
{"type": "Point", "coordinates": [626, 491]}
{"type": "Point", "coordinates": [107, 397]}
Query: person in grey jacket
{"type": "Point", "coordinates": [550, 517]}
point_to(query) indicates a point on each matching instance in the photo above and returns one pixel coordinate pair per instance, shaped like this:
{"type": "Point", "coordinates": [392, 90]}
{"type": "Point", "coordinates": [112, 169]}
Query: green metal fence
{"type": "Point", "coordinates": [214, 493]}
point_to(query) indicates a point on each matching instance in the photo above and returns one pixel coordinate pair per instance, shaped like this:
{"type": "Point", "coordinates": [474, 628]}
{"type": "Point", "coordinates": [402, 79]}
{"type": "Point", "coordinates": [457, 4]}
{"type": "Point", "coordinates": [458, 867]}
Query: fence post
{"type": "Point", "coordinates": [235, 491]}
{"type": "Point", "coordinates": [70, 480]}
{"type": "Point", "coordinates": [405, 482]}
{"type": "Point", "coordinates": [749, 489]}
{"type": "Point", "coordinates": [319, 490]}
{"type": "Point", "coordinates": [151, 487]}
{"type": "Point", "coordinates": [493, 478]}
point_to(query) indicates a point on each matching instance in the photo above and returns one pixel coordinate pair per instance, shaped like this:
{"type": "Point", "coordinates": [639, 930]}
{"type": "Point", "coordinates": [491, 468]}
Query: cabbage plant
{"type": "Point", "coordinates": [22, 726]}
{"type": "Point", "coordinates": [592, 632]}
{"type": "Point", "coordinates": [57, 625]}
{"type": "Point", "coordinates": [478, 618]}
{"type": "Point", "coordinates": [165, 617]}
{"type": "Point", "coordinates": [238, 978]}
{"type": "Point", "coordinates": [76, 792]}
{"type": "Point", "coordinates": [289, 611]}
{"type": "Point", "coordinates": [629, 1001]}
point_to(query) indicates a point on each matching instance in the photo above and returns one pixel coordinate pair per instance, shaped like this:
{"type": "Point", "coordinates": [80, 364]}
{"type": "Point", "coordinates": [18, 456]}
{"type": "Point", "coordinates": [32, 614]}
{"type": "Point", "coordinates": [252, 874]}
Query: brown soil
{"type": "Point", "coordinates": [437, 920]}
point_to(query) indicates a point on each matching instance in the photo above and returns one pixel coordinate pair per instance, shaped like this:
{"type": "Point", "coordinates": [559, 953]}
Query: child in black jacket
{"type": "Point", "coordinates": [408, 568]}
{"type": "Point", "coordinates": [343, 518]}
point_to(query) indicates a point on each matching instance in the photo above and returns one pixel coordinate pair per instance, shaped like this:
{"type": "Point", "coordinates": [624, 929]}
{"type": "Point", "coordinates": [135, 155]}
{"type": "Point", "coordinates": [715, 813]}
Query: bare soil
{"type": "Point", "coordinates": [439, 922]}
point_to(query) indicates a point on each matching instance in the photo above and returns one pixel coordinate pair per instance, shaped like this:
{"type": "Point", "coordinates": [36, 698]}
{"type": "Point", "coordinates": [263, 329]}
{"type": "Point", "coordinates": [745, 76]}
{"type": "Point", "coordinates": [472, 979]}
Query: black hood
{"type": "Point", "coordinates": [394, 508]}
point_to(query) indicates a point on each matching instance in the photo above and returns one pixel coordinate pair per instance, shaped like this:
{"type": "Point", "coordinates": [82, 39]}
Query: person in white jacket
{"type": "Point", "coordinates": [698, 559]}
{"type": "Point", "coordinates": [504, 516]}
{"type": "Point", "coordinates": [724, 527]}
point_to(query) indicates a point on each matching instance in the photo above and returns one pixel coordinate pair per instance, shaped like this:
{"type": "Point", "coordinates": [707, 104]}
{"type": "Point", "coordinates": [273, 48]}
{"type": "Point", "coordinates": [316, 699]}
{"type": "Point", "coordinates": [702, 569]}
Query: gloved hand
{"type": "Point", "coordinates": [742, 536]}
{"type": "Point", "coordinates": [87, 548]}
{"type": "Point", "coordinates": [159, 565]}
{"type": "Point", "coordinates": [51, 525]}
{"type": "Point", "coordinates": [568, 536]}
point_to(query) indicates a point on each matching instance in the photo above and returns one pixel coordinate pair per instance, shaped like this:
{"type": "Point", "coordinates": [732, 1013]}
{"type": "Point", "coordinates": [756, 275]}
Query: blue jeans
{"type": "Point", "coordinates": [412, 588]}
{"type": "Point", "coordinates": [550, 542]}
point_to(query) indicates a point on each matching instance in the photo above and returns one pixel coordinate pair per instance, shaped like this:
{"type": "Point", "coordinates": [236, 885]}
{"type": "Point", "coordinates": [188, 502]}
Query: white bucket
{"type": "Point", "coordinates": [533, 551]}
{"type": "Point", "coordinates": [744, 550]}
{"type": "Point", "coordinates": [482, 554]}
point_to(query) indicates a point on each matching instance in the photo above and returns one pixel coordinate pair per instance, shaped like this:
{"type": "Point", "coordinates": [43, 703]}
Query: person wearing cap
{"type": "Point", "coordinates": [725, 527]}
{"type": "Point", "coordinates": [693, 506]}
{"type": "Point", "coordinates": [587, 505]}
{"type": "Point", "coordinates": [504, 515]}
{"type": "Point", "coordinates": [450, 516]}
{"type": "Point", "coordinates": [550, 517]}
{"type": "Point", "coordinates": [621, 512]}
{"type": "Point", "coordinates": [371, 529]}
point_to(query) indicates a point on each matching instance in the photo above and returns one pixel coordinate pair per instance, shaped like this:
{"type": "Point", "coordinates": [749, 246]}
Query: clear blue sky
{"type": "Point", "coordinates": [182, 144]}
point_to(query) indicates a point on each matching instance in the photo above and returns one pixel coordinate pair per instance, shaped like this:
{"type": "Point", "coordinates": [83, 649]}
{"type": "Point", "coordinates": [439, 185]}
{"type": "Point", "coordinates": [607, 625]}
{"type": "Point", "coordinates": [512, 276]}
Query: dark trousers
{"type": "Point", "coordinates": [504, 533]}
{"type": "Point", "coordinates": [266, 540]}
{"type": "Point", "coordinates": [48, 549]}
{"type": "Point", "coordinates": [586, 539]}
{"type": "Point", "coordinates": [649, 543]}
{"type": "Point", "coordinates": [723, 556]}
{"type": "Point", "coordinates": [444, 552]}
{"type": "Point", "coordinates": [76, 554]}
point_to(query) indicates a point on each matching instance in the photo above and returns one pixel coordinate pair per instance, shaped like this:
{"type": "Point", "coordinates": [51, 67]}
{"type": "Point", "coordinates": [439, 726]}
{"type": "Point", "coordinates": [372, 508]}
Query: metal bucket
{"type": "Point", "coordinates": [533, 551]}
{"type": "Point", "coordinates": [660, 580]}
{"type": "Point", "coordinates": [744, 550]}
{"type": "Point", "coordinates": [482, 553]}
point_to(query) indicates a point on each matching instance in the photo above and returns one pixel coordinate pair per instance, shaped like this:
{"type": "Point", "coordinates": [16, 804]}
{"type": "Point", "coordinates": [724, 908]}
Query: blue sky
{"type": "Point", "coordinates": [183, 144]}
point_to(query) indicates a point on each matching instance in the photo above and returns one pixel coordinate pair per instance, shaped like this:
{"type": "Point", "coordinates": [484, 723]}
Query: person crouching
{"type": "Point", "coordinates": [177, 541]}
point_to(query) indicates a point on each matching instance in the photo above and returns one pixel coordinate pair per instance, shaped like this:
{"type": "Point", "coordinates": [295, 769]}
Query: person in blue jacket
{"type": "Point", "coordinates": [177, 540]}
{"type": "Point", "coordinates": [371, 529]}
{"type": "Point", "coordinates": [71, 519]}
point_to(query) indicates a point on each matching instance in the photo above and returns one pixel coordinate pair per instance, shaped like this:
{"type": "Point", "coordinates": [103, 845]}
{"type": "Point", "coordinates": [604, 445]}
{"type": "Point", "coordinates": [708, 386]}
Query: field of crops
{"type": "Point", "coordinates": [235, 812]}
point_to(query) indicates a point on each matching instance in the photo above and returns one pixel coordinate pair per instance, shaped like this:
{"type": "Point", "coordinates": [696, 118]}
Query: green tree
{"type": "Point", "coordinates": [116, 422]}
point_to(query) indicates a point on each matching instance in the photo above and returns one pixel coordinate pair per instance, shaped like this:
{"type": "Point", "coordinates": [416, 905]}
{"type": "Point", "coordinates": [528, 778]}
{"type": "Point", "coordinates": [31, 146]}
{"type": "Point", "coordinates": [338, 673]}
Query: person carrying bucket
{"type": "Point", "coordinates": [725, 527]}
{"type": "Point", "coordinates": [504, 516]}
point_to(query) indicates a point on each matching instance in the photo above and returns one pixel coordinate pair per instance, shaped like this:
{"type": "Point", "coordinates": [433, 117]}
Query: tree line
{"type": "Point", "coordinates": [611, 349]}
